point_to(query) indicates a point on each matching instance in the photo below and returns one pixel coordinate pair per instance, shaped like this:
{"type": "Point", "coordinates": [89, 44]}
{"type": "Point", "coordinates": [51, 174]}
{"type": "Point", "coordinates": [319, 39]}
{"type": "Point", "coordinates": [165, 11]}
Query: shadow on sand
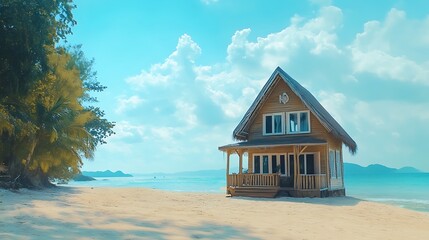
{"type": "Point", "coordinates": [18, 221]}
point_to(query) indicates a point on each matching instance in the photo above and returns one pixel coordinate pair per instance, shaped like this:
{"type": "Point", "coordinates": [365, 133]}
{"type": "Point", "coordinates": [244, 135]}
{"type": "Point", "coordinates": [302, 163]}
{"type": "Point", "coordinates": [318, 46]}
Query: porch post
{"type": "Point", "coordinates": [297, 182]}
{"type": "Point", "coordinates": [240, 164]}
{"type": "Point", "coordinates": [227, 170]}
{"type": "Point", "coordinates": [342, 166]}
{"type": "Point", "coordinates": [328, 168]}
{"type": "Point", "coordinates": [240, 167]}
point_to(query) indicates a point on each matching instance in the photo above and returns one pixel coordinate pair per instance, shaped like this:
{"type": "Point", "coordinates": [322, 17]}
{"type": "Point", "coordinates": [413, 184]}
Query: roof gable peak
{"type": "Point", "coordinates": [331, 125]}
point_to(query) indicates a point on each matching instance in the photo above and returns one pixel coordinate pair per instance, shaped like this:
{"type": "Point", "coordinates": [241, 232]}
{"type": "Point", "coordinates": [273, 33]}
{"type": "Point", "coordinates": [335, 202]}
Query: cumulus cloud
{"type": "Point", "coordinates": [185, 112]}
{"type": "Point", "coordinates": [316, 36]}
{"type": "Point", "coordinates": [334, 103]}
{"type": "Point", "coordinates": [125, 103]}
{"type": "Point", "coordinates": [178, 62]}
{"type": "Point", "coordinates": [127, 131]}
{"type": "Point", "coordinates": [393, 49]}
{"type": "Point", "coordinates": [234, 84]}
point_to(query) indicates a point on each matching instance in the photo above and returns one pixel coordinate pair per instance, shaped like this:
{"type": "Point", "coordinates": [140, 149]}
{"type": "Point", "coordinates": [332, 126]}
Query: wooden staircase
{"type": "Point", "coordinates": [263, 192]}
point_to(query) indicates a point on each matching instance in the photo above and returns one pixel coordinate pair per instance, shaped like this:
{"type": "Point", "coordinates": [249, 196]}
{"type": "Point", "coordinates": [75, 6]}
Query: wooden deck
{"type": "Point", "coordinates": [268, 185]}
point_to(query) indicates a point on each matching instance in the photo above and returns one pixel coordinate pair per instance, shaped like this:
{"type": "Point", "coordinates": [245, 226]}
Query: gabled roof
{"type": "Point", "coordinates": [331, 125]}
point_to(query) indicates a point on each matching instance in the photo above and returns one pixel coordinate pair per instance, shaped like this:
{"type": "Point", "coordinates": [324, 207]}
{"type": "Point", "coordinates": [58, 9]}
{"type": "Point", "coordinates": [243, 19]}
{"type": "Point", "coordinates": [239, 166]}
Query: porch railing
{"type": "Point", "coordinates": [312, 181]}
{"type": "Point", "coordinates": [254, 180]}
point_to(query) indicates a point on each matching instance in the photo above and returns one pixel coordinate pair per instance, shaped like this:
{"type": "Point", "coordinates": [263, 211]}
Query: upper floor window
{"type": "Point", "coordinates": [273, 124]}
{"type": "Point", "coordinates": [298, 122]}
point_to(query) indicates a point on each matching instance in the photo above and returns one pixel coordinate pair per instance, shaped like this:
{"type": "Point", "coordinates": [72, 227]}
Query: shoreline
{"type": "Point", "coordinates": [143, 213]}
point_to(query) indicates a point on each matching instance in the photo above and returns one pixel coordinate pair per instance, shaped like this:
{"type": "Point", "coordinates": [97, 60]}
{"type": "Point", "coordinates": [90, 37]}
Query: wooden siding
{"type": "Point", "coordinates": [272, 105]}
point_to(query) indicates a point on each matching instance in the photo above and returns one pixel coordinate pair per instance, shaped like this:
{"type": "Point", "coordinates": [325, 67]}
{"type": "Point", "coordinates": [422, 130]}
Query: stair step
{"type": "Point", "coordinates": [255, 192]}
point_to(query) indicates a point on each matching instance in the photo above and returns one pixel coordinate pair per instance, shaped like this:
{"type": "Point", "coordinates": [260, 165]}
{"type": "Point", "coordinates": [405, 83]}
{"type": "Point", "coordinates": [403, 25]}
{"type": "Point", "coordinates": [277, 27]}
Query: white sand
{"type": "Point", "coordinates": [138, 213]}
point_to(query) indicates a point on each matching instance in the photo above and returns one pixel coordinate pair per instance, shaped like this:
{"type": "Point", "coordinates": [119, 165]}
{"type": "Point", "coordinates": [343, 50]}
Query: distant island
{"type": "Point", "coordinates": [354, 169]}
{"type": "Point", "coordinates": [106, 173]}
{"type": "Point", "coordinates": [90, 176]}
{"type": "Point", "coordinates": [83, 178]}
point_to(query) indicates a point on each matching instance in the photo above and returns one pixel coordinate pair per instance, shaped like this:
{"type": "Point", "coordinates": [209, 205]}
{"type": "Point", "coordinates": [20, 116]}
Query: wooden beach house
{"type": "Point", "coordinates": [292, 144]}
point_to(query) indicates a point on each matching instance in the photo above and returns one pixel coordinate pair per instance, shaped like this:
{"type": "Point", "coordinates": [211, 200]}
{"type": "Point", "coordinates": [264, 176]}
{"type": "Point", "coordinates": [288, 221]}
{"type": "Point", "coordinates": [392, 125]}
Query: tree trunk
{"type": "Point", "coordinates": [22, 176]}
{"type": "Point", "coordinates": [37, 179]}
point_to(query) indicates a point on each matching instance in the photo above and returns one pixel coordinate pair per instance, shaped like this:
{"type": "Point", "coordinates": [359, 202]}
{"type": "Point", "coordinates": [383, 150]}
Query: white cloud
{"type": "Point", "coordinates": [128, 103]}
{"type": "Point", "coordinates": [334, 103]}
{"type": "Point", "coordinates": [316, 36]}
{"type": "Point", "coordinates": [162, 73]}
{"type": "Point", "coordinates": [164, 133]}
{"type": "Point", "coordinates": [185, 112]}
{"type": "Point", "coordinates": [125, 129]}
{"type": "Point", "coordinates": [395, 49]}
{"type": "Point", "coordinates": [233, 85]}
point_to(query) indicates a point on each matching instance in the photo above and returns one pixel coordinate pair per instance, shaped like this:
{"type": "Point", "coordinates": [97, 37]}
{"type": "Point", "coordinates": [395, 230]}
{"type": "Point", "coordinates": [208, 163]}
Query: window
{"type": "Point", "coordinates": [270, 163]}
{"type": "Point", "coordinates": [274, 163]}
{"type": "Point", "coordinates": [291, 165]}
{"type": "Point", "coordinates": [298, 122]}
{"type": "Point", "coordinates": [335, 164]}
{"type": "Point", "coordinates": [282, 164]}
{"type": "Point", "coordinates": [332, 167]}
{"type": "Point", "coordinates": [338, 163]}
{"type": "Point", "coordinates": [265, 164]}
{"type": "Point", "coordinates": [306, 164]}
{"type": "Point", "coordinates": [273, 124]}
{"type": "Point", "coordinates": [257, 165]}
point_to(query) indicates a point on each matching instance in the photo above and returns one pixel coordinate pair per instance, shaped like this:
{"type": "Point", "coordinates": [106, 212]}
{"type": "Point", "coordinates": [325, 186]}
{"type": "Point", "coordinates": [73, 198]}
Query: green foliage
{"type": "Point", "coordinates": [45, 128]}
{"type": "Point", "coordinates": [99, 127]}
{"type": "Point", "coordinates": [26, 27]}
{"type": "Point", "coordinates": [58, 141]}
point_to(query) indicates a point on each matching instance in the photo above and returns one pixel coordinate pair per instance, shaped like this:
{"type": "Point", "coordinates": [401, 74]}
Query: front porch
{"type": "Point", "coordinates": [294, 167]}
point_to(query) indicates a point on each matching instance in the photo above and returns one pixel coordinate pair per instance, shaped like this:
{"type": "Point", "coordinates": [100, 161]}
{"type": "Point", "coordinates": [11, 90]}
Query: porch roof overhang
{"type": "Point", "coordinates": [274, 142]}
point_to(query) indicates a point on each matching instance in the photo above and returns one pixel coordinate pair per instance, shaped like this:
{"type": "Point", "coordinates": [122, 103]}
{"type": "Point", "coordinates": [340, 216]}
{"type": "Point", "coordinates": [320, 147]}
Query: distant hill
{"type": "Point", "coordinates": [351, 169]}
{"type": "Point", "coordinates": [82, 178]}
{"type": "Point", "coordinates": [106, 173]}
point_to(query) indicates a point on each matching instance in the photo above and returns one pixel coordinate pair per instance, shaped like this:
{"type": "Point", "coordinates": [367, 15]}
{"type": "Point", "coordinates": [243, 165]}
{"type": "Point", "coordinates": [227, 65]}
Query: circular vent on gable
{"type": "Point", "coordinates": [283, 98]}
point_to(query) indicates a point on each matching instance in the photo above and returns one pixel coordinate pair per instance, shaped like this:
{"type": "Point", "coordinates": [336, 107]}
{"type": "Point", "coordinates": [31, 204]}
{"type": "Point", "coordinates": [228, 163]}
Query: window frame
{"type": "Point", "coordinates": [260, 157]}
{"type": "Point", "coordinates": [298, 113]}
{"type": "Point", "coordinates": [338, 164]}
{"type": "Point", "coordinates": [264, 129]}
{"type": "Point", "coordinates": [335, 164]}
{"type": "Point", "coordinates": [316, 162]}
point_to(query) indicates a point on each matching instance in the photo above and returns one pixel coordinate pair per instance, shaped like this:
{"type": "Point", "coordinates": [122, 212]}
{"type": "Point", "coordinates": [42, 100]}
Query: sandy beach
{"type": "Point", "coordinates": [138, 213]}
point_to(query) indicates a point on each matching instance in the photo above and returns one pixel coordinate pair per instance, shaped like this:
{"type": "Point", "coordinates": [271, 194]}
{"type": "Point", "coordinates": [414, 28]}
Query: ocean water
{"type": "Point", "coordinates": [407, 190]}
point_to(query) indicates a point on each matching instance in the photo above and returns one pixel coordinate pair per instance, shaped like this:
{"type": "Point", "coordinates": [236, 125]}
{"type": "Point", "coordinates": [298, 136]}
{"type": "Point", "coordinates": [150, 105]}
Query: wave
{"type": "Point", "coordinates": [400, 200]}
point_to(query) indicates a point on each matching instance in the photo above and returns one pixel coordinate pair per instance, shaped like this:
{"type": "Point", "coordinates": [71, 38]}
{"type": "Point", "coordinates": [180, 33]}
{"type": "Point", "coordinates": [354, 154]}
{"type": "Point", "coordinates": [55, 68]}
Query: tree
{"type": "Point", "coordinates": [45, 129]}
{"type": "Point", "coordinates": [56, 142]}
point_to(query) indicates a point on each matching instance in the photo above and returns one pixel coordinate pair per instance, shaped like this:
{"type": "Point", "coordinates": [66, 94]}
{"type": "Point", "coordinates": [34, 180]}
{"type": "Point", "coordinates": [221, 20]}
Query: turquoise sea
{"type": "Point", "coordinates": [407, 190]}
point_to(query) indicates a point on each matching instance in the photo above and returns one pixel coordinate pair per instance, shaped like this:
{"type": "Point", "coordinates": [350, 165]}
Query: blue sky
{"type": "Point", "coordinates": [181, 74]}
